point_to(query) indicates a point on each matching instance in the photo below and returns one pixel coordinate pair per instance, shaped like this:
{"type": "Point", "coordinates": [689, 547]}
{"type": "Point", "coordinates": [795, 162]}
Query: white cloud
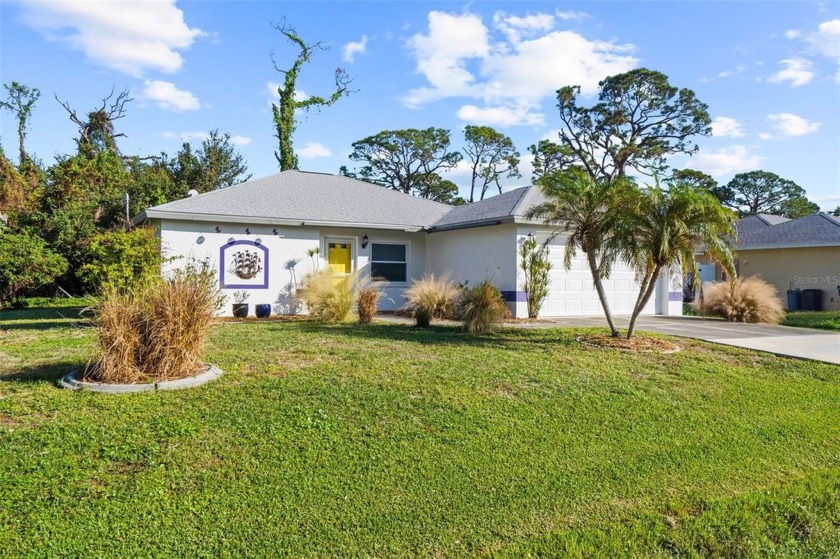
{"type": "Point", "coordinates": [516, 27]}
{"type": "Point", "coordinates": [826, 40]}
{"type": "Point", "coordinates": [201, 136]}
{"type": "Point", "coordinates": [311, 150]}
{"type": "Point", "coordinates": [793, 33]}
{"type": "Point", "coordinates": [725, 161]}
{"type": "Point", "coordinates": [789, 124]}
{"type": "Point", "coordinates": [516, 72]}
{"type": "Point", "coordinates": [739, 69]}
{"type": "Point", "coordinates": [765, 136]}
{"type": "Point", "coordinates": [131, 37]}
{"type": "Point", "coordinates": [353, 48]}
{"type": "Point", "coordinates": [798, 71]}
{"type": "Point", "coordinates": [500, 116]}
{"type": "Point", "coordinates": [167, 96]}
{"type": "Point", "coordinates": [725, 126]}
{"type": "Point", "coordinates": [571, 15]}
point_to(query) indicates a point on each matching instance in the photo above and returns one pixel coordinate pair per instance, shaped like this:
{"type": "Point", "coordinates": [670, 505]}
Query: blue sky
{"type": "Point", "coordinates": [769, 71]}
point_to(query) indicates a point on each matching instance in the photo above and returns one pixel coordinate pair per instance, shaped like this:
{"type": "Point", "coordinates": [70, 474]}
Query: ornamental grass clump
{"type": "Point", "coordinates": [482, 308]}
{"type": "Point", "coordinates": [367, 298]}
{"type": "Point", "coordinates": [749, 299]}
{"type": "Point", "coordinates": [156, 330]}
{"type": "Point", "coordinates": [328, 296]}
{"type": "Point", "coordinates": [431, 297]}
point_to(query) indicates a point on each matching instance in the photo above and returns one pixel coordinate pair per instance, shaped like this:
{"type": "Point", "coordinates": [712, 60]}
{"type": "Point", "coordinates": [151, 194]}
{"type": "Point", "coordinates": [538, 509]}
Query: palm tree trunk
{"type": "Point", "coordinates": [599, 288]}
{"type": "Point", "coordinates": [642, 301]}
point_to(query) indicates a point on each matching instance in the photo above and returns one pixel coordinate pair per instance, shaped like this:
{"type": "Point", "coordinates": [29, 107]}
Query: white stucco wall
{"type": "Point", "coordinates": [186, 240]}
{"type": "Point", "coordinates": [474, 255]}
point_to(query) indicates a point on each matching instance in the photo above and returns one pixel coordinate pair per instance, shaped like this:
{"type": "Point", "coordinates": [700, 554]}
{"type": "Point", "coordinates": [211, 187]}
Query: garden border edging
{"type": "Point", "coordinates": [71, 382]}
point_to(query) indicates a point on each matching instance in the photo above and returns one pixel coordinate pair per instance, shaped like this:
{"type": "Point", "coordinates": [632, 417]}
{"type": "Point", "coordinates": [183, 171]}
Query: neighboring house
{"type": "Point", "coordinates": [258, 233]}
{"type": "Point", "coordinates": [802, 253]}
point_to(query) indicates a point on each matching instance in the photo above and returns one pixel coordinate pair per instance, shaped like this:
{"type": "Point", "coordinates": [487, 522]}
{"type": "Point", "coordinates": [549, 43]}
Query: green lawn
{"type": "Point", "coordinates": [387, 441]}
{"type": "Point", "coordinates": [824, 320]}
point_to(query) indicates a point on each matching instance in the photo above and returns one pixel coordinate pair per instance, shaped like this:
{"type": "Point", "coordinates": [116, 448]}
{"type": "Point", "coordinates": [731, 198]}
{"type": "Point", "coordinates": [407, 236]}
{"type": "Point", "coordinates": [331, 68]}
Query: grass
{"type": "Point", "coordinates": [392, 441]}
{"type": "Point", "coordinates": [824, 320]}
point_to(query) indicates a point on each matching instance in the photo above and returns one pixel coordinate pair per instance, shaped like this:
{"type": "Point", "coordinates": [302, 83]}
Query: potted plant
{"type": "Point", "coordinates": [262, 311]}
{"type": "Point", "coordinates": [240, 307]}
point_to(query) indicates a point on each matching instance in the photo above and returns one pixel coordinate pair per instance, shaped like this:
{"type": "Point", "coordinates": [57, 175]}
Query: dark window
{"type": "Point", "coordinates": [388, 262]}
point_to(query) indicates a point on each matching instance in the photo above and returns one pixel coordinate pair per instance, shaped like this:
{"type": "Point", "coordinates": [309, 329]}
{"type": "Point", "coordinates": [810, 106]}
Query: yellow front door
{"type": "Point", "coordinates": [339, 258]}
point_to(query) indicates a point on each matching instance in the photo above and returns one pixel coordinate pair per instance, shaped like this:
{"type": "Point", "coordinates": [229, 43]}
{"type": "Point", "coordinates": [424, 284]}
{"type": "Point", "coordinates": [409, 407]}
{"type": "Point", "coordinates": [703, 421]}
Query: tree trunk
{"type": "Point", "coordinates": [599, 288]}
{"type": "Point", "coordinates": [644, 297]}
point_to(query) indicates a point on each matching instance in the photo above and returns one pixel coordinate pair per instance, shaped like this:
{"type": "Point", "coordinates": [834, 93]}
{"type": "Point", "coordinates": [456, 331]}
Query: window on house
{"type": "Point", "coordinates": [388, 262]}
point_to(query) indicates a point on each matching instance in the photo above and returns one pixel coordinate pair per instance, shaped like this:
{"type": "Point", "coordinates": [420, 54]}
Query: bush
{"type": "Point", "coordinates": [155, 331]}
{"type": "Point", "coordinates": [26, 264]}
{"type": "Point", "coordinates": [121, 258]}
{"type": "Point", "coordinates": [483, 307]}
{"type": "Point", "coordinates": [536, 267]}
{"type": "Point", "coordinates": [329, 297]}
{"type": "Point", "coordinates": [750, 299]}
{"type": "Point", "coordinates": [431, 297]}
{"type": "Point", "coordinates": [367, 298]}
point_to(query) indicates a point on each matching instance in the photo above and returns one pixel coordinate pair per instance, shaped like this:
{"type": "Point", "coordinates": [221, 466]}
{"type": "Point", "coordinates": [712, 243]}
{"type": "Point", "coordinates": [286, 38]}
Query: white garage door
{"type": "Point", "coordinates": [571, 292]}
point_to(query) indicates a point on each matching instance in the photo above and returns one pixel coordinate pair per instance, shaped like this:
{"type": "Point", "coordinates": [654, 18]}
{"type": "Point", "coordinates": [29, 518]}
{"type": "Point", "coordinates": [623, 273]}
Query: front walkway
{"type": "Point", "coordinates": [804, 343]}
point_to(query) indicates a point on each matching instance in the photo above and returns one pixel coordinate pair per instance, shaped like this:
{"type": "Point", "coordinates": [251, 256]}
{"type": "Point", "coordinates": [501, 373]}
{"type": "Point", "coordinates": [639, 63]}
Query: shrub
{"type": "Point", "coordinates": [121, 258]}
{"type": "Point", "coordinates": [26, 264]}
{"type": "Point", "coordinates": [750, 299]}
{"type": "Point", "coordinates": [155, 331]}
{"type": "Point", "coordinates": [367, 297]}
{"type": "Point", "coordinates": [483, 307]}
{"type": "Point", "coordinates": [431, 297]}
{"type": "Point", "coordinates": [536, 267]}
{"type": "Point", "coordinates": [329, 297]}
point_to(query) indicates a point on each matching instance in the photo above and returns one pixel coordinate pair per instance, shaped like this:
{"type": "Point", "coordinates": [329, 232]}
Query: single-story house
{"type": "Point", "coordinates": [261, 234]}
{"type": "Point", "coordinates": [802, 253]}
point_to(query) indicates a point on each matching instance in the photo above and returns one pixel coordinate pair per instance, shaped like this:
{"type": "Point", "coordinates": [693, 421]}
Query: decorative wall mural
{"type": "Point", "coordinates": [243, 265]}
{"type": "Point", "coordinates": [246, 264]}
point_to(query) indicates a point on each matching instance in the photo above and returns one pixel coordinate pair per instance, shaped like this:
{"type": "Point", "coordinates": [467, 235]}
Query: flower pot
{"type": "Point", "coordinates": [263, 311]}
{"type": "Point", "coordinates": [240, 310]}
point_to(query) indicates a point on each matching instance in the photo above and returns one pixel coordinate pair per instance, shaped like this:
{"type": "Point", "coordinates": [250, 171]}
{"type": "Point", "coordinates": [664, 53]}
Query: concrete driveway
{"type": "Point", "coordinates": [819, 345]}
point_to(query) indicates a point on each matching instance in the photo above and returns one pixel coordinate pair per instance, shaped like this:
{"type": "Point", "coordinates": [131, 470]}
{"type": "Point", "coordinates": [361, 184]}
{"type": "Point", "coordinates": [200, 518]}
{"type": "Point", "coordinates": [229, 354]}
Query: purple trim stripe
{"type": "Point", "coordinates": [675, 296]}
{"type": "Point", "coordinates": [514, 296]}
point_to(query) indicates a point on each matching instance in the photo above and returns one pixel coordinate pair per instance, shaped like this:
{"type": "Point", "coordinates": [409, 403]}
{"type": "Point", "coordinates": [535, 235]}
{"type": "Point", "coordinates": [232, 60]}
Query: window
{"type": "Point", "coordinates": [388, 262]}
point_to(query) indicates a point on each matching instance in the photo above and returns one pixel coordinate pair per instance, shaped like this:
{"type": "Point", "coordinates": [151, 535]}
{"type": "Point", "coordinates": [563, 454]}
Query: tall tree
{"type": "Point", "coordinates": [759, 192]}
{"type": "Point", "coordinates": [798, 206]}
{"type": "Point", "coordinates": [21, 99]}
{"type": "Point", "coordinates": [97, 132]}
{"type": "Point", "coordinates": [408, 161]}
{"type": "Point", "coordinates": [290, 101]}
{"type": "Point", "coordinates": [660, 229]}
{"type": "Point", "coordinates": [697, 179]}
{"type": "Point", "coordinates": [216, 164]}
{"type": "Point", "coordinates": [550, 157]}
{"type": "Point", "coordinates": [587, 211]}
{"type": "Point", "coordinates": [638, 121]}
{"type": "Point", "coordinates": [492, 155]}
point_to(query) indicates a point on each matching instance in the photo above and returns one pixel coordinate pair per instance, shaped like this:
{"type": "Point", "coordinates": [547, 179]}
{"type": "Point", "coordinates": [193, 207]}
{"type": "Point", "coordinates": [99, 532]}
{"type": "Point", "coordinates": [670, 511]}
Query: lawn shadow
{"type": "Point", "coordinates": [44, 319]}
{"type": "Point", "coordinates": [40, 373]}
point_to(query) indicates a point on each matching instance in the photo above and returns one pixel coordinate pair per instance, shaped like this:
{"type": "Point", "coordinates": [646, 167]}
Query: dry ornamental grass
{"type": "Point", "coordinates": [750, 299]}
{"type": "Point", "coordinates": [154, 332]}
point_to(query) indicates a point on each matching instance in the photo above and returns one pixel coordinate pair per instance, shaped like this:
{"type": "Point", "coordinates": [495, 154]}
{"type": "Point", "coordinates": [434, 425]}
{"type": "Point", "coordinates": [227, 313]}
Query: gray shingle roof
{"type": "Point", "coordinates": [504, 207]}
{"type": "Point", "coordinates": [811, 230]}
{"type": "Point", "coordinates": [307, 197]}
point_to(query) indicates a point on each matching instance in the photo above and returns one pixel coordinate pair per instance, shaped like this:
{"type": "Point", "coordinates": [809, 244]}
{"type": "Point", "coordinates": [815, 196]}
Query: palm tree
{"type": "Point", "coordinates": [664, 228]}
{"type": "Point", "coordinates": [588, 211]}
